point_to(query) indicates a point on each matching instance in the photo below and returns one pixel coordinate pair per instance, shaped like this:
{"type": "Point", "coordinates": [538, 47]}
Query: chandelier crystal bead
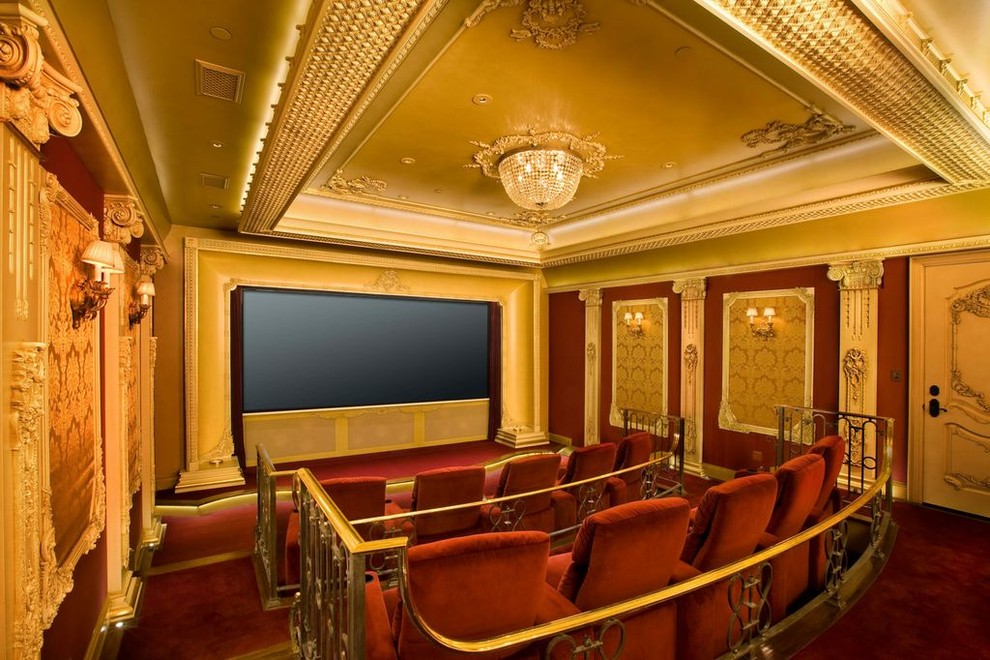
{"type": "Point", "coordinates": [541, 179]}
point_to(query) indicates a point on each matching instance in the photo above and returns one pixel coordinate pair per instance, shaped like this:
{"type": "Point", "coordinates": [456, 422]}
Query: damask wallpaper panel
{"type": "Point", "coordinates": [72, 389]}
{"type": "Point", "coordinates": [639, 357]}
{"type": "Point", "coordinates": [760, 373]}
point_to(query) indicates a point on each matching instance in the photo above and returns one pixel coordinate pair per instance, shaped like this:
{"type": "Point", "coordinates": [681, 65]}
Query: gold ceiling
{"type": "Point", "coordinates": [717, 116]}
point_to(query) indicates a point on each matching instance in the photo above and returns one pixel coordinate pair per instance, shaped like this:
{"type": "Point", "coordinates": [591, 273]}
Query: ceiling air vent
{"type": "Point", "coordinates": [214, 181]}
{"type": "Point", "coordinates": [219, 81]}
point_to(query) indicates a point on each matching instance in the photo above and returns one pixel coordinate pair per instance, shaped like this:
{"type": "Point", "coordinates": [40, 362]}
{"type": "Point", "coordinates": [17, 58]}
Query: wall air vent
{"type": "Point", "coordinates": [219, 81]}
{"type": "Point", "coordinates": [214, 181]}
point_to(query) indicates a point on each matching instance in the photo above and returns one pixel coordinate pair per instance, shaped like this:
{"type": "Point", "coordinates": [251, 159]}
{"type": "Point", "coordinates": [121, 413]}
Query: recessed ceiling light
{"type": "Point", "coordinates": [491, 213]}
{"type": "Point", "coordinates": [216, 144]}
{"type": "Point", "coordinates": [683, 51]}
{"type": "Point", "coordinates": [215, 206]}
{"type": "Point", "coordinates": [221, 33]}
{"type": "Point", "coordinates": [403, 196]}
{"type": "Point", "coordinates": [669, 164]}
{"type": "Point", "coordinates": [407, 160]}
{"type": "Point", "coordinates": [438, 190]}
{"type": "Point", "coordinates": [481, 99]}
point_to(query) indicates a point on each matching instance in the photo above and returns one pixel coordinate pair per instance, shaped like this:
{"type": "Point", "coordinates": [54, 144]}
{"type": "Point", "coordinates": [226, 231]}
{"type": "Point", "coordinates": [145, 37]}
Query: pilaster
{"type": "Point", "coordinates": [859, 282]}
{"type": "Point", "coordinates": [592, 380]}
{"type": "Point", "coordinates": [692, 292]}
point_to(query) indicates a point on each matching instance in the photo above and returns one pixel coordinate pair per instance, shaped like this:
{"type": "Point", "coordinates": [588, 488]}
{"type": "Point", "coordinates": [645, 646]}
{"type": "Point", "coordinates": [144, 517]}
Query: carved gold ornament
{"type": "Point", "coordinates": [976, 303]}
{"type": "Point", "coordinates": [388, 281]}
{"type": "Point", "coordinates": [34, 97]}
{"type": "Point", "coordinates": [122, 219]}
{"type": "Point", "coordinates": [959, 480]}
{"type": "Point", "coordinates": [818, 128]}
{"type": "Point", "coordinates": [362, 185]}
{"type": "Point", "coordinates": [854, 366]}
{"type": "Point", "coordinates": [551, 24]}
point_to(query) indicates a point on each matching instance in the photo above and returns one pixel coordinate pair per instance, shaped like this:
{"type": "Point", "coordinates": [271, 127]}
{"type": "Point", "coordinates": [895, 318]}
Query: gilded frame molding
{"type": "Point", "coordinates": [390, 282]}
{"type": "Point", "coordinates": [619, 307]}
{"type": "Point", "coordinates": [728, 419]}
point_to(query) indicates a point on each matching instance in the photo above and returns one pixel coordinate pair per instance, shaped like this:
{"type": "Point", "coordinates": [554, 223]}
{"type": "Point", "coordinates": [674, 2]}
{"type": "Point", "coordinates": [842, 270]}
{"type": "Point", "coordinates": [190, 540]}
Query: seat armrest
{"type": "Point", "coordinates": [564, 509]}
{"type": "Point", "coordinates": [378, 641]}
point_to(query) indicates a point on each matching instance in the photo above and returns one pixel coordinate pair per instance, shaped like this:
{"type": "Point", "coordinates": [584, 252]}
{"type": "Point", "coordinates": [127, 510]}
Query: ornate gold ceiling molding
{"type": "Point", "coordinates": [832, 43]}
{"type": "Point", "coordinates": [819, 127]}
{"type": "Point", "coordinates": [340, 66]}
{"type": "Point", "coordinates": [57, 44]}
{"type": "Point", "coordinates": [362, 185]}
{"type": "Point", "coordinates": [914, 192]}
{"type": "Point", "coordinates": [34, 97]}
{"type": "Point", "coordinates": [551, 24]}
{"type": "Point", "coordinates": [900, 25]}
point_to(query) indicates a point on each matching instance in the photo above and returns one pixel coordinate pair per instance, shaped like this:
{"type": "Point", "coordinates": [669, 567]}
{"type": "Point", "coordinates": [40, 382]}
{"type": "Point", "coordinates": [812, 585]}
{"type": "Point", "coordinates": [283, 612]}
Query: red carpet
{"type": "Point", "coordinates": [193, 537]}
{"type": "Point", "coordinates": [930, 601]}
{"type": "Point", "coordinates": [208, 612]}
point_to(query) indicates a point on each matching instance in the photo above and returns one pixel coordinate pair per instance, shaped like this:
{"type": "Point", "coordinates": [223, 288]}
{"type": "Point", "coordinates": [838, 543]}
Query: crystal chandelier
{"type": "Point", "coordinates": [540, 179]}
{"type": "Point", "coordinates": [540, 171]}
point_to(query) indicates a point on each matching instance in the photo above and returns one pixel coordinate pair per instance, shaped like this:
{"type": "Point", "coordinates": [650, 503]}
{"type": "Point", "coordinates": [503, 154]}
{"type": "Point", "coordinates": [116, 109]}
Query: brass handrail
{"type": "Point", "coordinates": [632, 605]}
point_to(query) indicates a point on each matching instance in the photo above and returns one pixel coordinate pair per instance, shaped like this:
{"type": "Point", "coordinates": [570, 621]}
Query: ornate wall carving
{"type": "Point", "coordinates": [639, 360]}
{"type": "Point", "coordinates": [758, 373]}
{"type": "Point", "coordinates": [969, 317]}
{"type": "Point", "coordinates": [122, 219]}
{"type": "Point", "coordinates": [693, 292]}
{"type": "Point", "coordinates": [592, 381]}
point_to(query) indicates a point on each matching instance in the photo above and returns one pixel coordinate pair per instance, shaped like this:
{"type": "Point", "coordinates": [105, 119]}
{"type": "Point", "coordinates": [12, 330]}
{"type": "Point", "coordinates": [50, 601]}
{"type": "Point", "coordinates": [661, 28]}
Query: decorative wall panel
{"type": "Point", "coordinates": [130, 363]}
{"type": "Point", "coordinates": [74, 466]}
{"type": "Point", "coordinates": [759, 373]}
{"type": "Point", "coordinates": [639, 358]}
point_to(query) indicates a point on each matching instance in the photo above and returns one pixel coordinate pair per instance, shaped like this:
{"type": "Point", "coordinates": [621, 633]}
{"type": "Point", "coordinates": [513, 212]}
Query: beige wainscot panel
{"type": "Point", "coordinates": [766, 360]}
{"type": "Point", "coordinates": [295, 436]}
{"type": "Point", "coordinates": [213, 268]}
{"type": "Point", "coordinates": [462, 421]}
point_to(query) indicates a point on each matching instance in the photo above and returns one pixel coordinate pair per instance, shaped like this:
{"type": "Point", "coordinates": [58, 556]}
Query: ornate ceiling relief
{"type": "Point", "coordinates": [552, 24]}
{"type": "Point", "coordinates": [362, 185]}
{"type": "Point", "coordinates": [123, 219]}
{"type": "Point", "coordinates": [34, 97]}
{"type": "Point", "coordinates": [329, 89]}
{"type": "Point", "coordinates": [835, 45]}
{"type": "Point", "coordinates": [818, 128]}
{"type": "Point", "coordinates": [388, 281]}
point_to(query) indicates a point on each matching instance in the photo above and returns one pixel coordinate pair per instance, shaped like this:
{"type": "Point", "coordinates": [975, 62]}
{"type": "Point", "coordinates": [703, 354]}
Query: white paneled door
{"type": "Point", "coordinates": [953, 293]}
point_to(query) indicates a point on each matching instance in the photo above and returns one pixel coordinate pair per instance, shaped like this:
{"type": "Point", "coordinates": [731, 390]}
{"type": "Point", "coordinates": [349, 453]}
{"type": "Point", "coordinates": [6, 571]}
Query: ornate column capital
{"type": "Point", "coordinates": [152, 260]}
{"type": "Point", "coordinates": [691, 289]}
{"type": "Point", "coordinates": [34, 97]}
{"type": "Point", "coordinates": [857, 274]}
{"type": "Point", "coordinates": [122, 219]}
{"type": "Point", "coordinates": [591, 297]}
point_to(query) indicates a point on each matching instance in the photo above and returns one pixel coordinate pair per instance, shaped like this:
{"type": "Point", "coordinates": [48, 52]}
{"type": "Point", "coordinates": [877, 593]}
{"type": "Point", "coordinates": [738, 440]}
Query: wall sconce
{"type": "Point", "coordinates": [89, 296]}
{"type": "Point", "coordinates": [763, 330]}
{"type": "Point", "coordinates": [634, 323]}
{"type": "Point", "coordinates": [138, 310]}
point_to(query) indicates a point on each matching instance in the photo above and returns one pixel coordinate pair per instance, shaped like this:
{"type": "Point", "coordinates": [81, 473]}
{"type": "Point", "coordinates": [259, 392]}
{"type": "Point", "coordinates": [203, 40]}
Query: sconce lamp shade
{"type": "Point", "coordinates": [769, 312]}
{"type": "Point", "coordinates": [146, 288]}
{"type": "Point", "coordinates": [751, 313]}
{"type": "Point", "coordinates": [103, 255]}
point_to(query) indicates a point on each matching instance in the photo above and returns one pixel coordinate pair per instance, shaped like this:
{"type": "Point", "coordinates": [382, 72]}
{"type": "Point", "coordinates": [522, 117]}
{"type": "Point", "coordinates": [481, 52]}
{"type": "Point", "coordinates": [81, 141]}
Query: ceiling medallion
{"type": "Point", "coordinates": [540, 171]}
{"type": "Point", "coordinates": [362, 185]}
{"type": "Point", "coordinates": [552, 24]}
{"type": "Point", "coordinates": [818, 128]}
{"type": "Point", "coordinates": [539, 239]}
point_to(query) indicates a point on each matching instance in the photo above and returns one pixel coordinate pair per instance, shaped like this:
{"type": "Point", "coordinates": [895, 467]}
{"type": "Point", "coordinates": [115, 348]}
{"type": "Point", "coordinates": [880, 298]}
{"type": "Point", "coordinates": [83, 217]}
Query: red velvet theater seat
{"type": "Point", "coordinates": [634, 449]}
{"type": "Point", "coordinates": [799, 481]}
{"type": "Point", "coordinates": [832, 449]}
{"type": "Point", "coordinates": [620, 553]}
{"type": "Point", "coordinates": [726, 526]}
{"type": "Point", "coordinates": [441, 487]}
{"type": "Point", "coordinates": [356, 497]}
{"type": "Point", "coordinates": [469, 588]}
{"type": "Point", "coordinates": [524, 475]}
{"type": "Point", "coordinates": [583, 463]}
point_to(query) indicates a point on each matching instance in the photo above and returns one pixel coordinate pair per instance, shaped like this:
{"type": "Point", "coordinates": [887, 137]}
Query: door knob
{"type": "Point", "coordinates": [935, 408]}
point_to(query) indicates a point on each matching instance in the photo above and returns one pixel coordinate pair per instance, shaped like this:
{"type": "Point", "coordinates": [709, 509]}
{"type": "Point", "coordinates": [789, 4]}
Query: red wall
{"type": "Point", "coordinates": [732, 449]}
{"type": "Point", "coordinates": [566, 365]}
{"type": "Point", "coordinates": [70, 633]}
{"type": "Point", "coordinates": [893, 351]}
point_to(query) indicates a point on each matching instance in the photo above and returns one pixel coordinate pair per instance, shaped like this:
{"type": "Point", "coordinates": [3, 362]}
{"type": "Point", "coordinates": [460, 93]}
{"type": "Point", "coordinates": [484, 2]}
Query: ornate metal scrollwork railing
{"type": "Point", "coordinates": [665, 477]}
{"type": "Point", "coordinates": [327, 614]}
{"type": "Point", "coordinates": [266, 550]}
